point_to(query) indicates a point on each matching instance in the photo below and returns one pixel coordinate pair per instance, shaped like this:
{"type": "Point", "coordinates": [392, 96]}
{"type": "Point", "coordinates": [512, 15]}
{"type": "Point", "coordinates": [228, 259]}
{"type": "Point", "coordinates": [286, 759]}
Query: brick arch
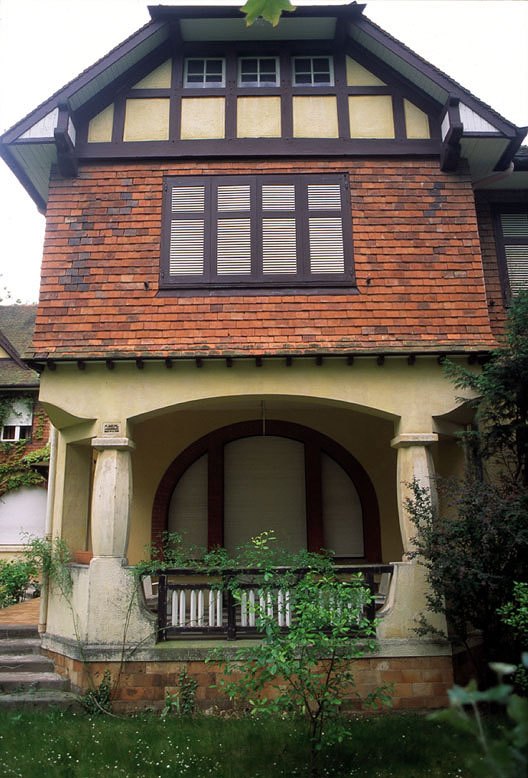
{"type": "Point", "coordinates": [314, 442]}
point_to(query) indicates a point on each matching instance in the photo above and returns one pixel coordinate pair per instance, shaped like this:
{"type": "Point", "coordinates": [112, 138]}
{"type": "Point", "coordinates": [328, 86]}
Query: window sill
{"type": "Point", "coordinates": [254, 291]}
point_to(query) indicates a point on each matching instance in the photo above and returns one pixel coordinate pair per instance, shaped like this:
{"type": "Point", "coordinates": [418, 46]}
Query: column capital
{"type": "Point", "coordinates": [407, 439]}
{"type": "Point", "coordinates": [119, 444]}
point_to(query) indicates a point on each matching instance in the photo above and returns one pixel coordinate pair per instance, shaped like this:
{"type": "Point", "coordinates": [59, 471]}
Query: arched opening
{"type": "Point", "coordinates": [245, 478]}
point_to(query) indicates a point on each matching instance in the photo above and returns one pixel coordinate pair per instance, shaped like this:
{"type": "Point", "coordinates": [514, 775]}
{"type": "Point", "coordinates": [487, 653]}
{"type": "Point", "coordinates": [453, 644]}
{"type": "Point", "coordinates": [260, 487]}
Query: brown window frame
{"type": "Point", "coordinates": [257, 279]}
{"type": "Point", "coordinates": [501, 242]}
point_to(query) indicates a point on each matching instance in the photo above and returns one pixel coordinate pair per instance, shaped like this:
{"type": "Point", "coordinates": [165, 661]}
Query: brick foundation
{"type": "Point", "coordinates": [418, 682]}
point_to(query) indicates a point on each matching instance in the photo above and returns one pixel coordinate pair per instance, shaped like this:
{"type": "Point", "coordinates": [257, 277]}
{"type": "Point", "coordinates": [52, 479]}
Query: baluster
{"type": "Point", "coordinates": [162, 607]}
{"type": "Point", "coordinates": [211, 608]}
{"type": "Point", "coordinates": [200, 608]}
{"type": "Point", "coordinates": [287, 607]}
{"type": "Point", "coordinates": [174, 616]}
{"type": "Point", "coordinates": [251, 607]}
{"type": "Point", "coordinates": [192, 609]}
{"type": "Point", "coordinates": [269, 606]}
{"type": "Point", "coordinates": [219, 614]}
{"type": "Point", "coordinates": [280, 607]}
{"type": "Point", "coordinates": [182, 608]}
{"type": "Point", "coordinates": [243, 610]}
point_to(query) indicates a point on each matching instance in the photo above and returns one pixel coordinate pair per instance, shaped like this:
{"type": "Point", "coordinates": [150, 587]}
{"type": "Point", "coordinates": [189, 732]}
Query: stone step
{"type": "Point", "coordinates": [10, 631]}
{"type": "Point", "coordinates": [24, 663]}
{"type": "Point", "coordinates": [40, 700]}
{"type": "Point", "coordinates": [22, 682]}
{"type": "Point", "coordinates": [19, 646]}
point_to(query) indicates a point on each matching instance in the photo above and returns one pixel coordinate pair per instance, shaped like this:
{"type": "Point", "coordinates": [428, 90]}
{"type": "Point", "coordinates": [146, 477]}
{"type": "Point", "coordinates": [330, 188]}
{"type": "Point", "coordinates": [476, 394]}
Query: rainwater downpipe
{"type": "Point", "coordinates": [43, 616]}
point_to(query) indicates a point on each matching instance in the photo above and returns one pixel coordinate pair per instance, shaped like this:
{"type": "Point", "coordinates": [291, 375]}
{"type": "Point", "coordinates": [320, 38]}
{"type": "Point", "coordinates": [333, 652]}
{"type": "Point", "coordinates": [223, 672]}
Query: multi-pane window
{"type": "Point", "coordinates": [257, 231]}
{"type": "Point", "coordinates": [17, 421]}
{"type": "Point", "coordinates": [512, 242]}
{"type": "Point", "coordinates": [313, 71]}
{"type": "Point", "coordinates": [258, 71]}
{"type": "Point", "coordinates": [204, 72]}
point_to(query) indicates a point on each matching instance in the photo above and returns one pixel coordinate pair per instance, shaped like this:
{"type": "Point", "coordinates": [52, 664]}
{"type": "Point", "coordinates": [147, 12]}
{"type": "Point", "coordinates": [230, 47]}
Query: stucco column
{"type": "Point", "coordinates": [112, 497]}
{"type": "Point", "coordinates": [414, 462]}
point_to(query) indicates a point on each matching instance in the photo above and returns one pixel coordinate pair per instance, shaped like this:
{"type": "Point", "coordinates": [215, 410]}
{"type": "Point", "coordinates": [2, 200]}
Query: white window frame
{"type": "Point", "coordinates": [258, 83]}
{"type": "Point", "coordinates": [20, 417]}
{"type": "Point", "coordinates": [311, 57]}
{"type": "Point", "coordinates": [204, 84]}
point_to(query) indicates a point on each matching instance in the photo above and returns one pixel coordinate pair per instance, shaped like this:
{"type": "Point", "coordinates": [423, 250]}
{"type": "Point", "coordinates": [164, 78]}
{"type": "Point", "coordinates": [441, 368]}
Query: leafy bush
{"type": "Point", "coordinates": [505, 754]}
{"type": "Point", "coordinates": [15, 578]}
{"type": "Point", "coordinates": [515, 615]}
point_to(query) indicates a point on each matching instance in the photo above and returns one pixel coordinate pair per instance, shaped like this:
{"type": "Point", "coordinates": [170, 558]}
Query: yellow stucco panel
{"type": "Point", "coordinates": [100, 127]}
{"type": "Point", "coordinates": [315, 117]}
{"type": "Point", "coordinates": [416, 121]}
{"type": "Point", "coordinates": [202, 118]}
{"type": "Point", "coordinates": [147, 119]}
{"type": "Point", "coordinates": [357, 75]}
{"type": "Point", "coordinates": [371, 116]}
{"type": "Point", "coordinates": [259, 117]}
{"type": "Point", "coordinates": [158, 79]}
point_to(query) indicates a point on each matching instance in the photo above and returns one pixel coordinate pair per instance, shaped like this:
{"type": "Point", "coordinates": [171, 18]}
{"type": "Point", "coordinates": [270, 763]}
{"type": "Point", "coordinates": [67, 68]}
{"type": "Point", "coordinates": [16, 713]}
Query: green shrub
{"type": "Point", "coordinates": [15, 578]}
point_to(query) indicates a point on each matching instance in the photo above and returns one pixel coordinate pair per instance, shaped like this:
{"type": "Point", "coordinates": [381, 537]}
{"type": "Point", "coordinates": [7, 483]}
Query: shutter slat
{"type": "Point", "coordinates": [324, 197]}
{"type": "Point", "coordinates": [278, 197]}
{"type": "Point", "coordinates": [517, 263]}
{"type": "Point", "coordinates": [233, 198]}
{"type": "Point", "coordinates": [514, 225]}
{"type": "Point", "coordinates": [279, 246]}
{"type": "Point", "coordinates": [186, 255]}
{"type": "Point", "coordinates": [234, 247]}
{"type": "Point", "coordinates": [187, 199]}
{"type": "Point", "coordinates": [326, 245]}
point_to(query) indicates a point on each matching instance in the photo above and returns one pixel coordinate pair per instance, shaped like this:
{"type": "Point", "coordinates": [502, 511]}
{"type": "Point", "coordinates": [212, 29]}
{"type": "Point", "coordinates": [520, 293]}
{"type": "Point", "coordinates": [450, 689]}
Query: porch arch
{"type": "Point", "coordinates": [315, 443]}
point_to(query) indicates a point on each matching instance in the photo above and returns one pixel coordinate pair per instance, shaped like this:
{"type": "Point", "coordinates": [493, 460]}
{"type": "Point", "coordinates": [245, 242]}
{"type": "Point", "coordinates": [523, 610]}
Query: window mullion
{"type": "Point", "coordinates": [301, 218]}
{"type": "Point", "coordinates": [212, 230]}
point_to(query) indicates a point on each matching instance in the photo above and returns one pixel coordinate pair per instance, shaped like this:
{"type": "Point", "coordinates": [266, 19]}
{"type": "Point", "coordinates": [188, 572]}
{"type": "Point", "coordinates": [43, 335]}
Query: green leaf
{"type": "Point", "coordinates": [269, 9]}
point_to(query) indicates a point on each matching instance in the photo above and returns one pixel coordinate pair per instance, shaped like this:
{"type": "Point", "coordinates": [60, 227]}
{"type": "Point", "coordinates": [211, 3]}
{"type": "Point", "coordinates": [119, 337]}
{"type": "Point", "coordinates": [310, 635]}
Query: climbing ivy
{"type": "Point", "coordinates": [18, 468]}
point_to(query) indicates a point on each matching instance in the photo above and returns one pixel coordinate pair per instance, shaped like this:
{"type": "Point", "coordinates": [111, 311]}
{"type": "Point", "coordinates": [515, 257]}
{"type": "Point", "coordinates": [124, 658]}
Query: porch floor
{"type": "Point", "coordinates": [21, 613]}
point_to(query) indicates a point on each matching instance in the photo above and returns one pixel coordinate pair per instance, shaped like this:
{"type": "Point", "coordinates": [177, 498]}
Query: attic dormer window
{"type": "Point", "coordinates": [207, 72]}
{"type": "Point", "coordinates": [313, 71]}
{"type": "Point", "coordinates": [258, 71]}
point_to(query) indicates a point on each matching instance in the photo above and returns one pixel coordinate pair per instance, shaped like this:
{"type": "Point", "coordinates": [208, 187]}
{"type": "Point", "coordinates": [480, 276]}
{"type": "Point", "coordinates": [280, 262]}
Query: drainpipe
{"type": "Point", "coordinates": [494, 177]}
{"type": "Point", "coordinates": [43, 616]}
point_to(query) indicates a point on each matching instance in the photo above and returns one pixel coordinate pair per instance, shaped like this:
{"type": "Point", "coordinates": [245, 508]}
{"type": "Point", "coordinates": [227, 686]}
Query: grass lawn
{"type": "Point", "coordinates": [53, 745]}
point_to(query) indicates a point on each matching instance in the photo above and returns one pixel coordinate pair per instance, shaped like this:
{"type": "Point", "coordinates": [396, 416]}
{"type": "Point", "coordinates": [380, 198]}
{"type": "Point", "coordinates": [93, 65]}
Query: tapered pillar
{"type": "Point", "coordinates": [112, 497]}
{"type": "Point", "coordinates": [415, 462]}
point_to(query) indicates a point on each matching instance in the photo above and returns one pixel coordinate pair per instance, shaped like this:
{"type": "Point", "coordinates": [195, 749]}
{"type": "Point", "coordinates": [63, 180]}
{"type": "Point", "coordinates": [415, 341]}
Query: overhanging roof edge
{"type": "Point", "coordinates": [87, 75]}
{"type": "Point", "coordinates": [436, 75]}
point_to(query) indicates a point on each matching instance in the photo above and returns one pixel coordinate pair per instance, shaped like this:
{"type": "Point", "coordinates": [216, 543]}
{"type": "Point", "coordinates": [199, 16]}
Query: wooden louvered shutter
{"type": "Point", "coordinates": [279, 229]}
{"type": "Point", "coordinates": [514, 226]}
{"type": "Point", "coordinates": [325, 229]}
{"type": "Point", "coordinates": [233, 230]}
{"type": "Point", "coordinates": [187, 231]}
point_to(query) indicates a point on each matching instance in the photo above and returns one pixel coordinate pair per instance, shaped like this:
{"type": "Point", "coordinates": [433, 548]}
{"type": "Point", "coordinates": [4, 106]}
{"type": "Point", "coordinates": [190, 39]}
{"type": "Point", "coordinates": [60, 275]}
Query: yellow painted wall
{"type": "Point", "coordinates": [4, 354]}
{"type": "Point", "coordinates": [315, 117]}
{"type": "Point", "coordinates": [147, 119]}
{"type": "Point", "coordinates": [371, 116]}
{"type": "Point", "coordinates": [100, 127]}
{"type": "Point", "coordinates": [202, 118]}
{"type": "Point", "coordinates": [357, 75]}
{"type": "Point", "coordinates": [158, 79]}
{"type": "Point", "coordinates": [259, 117]}
{"type": "Point", "coordinates": [416, 121]}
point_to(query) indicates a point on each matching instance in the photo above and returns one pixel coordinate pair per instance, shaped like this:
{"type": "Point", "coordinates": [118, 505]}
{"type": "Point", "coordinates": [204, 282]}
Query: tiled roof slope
{"type": "Point", "coordinates": [16, 330]}
{"type": "Point", "coordinates": [417, 259]}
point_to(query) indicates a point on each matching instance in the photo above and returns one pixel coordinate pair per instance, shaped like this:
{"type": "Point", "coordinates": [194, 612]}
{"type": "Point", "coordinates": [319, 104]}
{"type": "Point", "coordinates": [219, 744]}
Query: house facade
{"type": "Point", "coordinates": [261, 245]}
{"type": "Point", "coordinates": [24, 435]}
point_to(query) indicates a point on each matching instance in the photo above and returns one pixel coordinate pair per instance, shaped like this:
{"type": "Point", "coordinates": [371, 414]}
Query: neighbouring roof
{"type": "Point", "coordinates": [30, 147]}
{"type": "Point", "coordinates": [16, 330]}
